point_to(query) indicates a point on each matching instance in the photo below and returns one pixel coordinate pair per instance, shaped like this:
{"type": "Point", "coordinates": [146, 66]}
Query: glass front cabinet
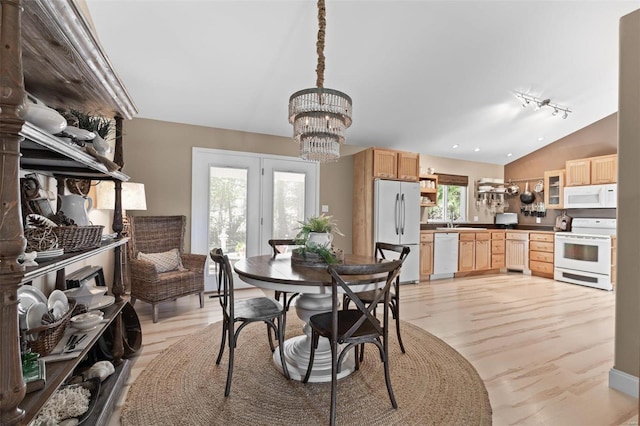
{"type": "Point", "coordinates": [554, 189]}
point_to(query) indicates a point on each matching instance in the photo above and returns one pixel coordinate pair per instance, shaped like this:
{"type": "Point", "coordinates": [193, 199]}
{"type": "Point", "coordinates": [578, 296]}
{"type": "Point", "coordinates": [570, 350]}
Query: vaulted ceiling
{"type": "Point", "coordinates": [424, 75]}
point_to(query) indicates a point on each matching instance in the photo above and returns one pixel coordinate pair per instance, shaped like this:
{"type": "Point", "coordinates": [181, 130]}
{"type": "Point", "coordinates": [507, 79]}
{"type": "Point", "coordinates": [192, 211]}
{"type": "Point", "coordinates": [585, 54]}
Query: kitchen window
{"type": "Point", "coordinates": [451, 199]}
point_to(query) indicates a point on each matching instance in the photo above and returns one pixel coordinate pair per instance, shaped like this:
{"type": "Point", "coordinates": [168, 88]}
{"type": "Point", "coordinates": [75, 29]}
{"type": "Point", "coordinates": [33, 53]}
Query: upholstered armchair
{"type": "Point", "coordinates": [160, 270]}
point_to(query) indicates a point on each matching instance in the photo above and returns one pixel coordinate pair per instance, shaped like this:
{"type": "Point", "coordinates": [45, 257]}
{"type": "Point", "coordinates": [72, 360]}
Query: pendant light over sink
{"type": "Point", "coordinates": [319, 115]}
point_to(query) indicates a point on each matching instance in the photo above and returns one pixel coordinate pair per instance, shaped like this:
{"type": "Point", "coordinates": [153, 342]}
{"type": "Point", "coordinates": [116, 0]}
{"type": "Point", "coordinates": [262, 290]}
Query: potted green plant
{"type": "Point", "coordinates": [318, 230]}
{"type": "Point", "coordinates": [315, 235]}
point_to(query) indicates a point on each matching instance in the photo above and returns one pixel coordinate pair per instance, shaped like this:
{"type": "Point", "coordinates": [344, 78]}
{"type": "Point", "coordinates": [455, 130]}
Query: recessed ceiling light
{"type": "Point", "coordinates": [455, 146]}
{"type": "Point", "coordinates": [509, 154]}
{"type": "Point", "coordinates": [541, 138]}
{"type": "Point", "coordinates": [477, 149]}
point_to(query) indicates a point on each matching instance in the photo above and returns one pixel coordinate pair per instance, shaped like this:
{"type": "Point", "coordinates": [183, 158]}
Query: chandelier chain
{"type": "Point", "coordinates": [322, 25]}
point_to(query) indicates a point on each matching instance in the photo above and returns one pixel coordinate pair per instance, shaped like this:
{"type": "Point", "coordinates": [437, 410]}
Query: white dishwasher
{"type": "Point", "coordinates": [445, 255]}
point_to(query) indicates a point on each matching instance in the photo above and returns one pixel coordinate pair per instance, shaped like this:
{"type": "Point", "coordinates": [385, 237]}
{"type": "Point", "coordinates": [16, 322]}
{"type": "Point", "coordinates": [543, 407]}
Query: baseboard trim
{"type": "Point", "coordinates": [623, 382]}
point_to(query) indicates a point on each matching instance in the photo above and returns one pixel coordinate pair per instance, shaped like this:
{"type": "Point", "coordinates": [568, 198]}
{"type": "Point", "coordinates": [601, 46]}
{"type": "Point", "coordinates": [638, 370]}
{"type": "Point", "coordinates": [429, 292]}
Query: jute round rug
{"type": "Point", "coordinates": [433, 384]}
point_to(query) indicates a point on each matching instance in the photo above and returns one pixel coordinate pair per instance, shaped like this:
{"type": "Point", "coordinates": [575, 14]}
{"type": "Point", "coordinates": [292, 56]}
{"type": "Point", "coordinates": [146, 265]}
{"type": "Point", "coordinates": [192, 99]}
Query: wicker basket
{"type": "Point", "coordinates": [40, 239]}
{"type": "Point", "coordinates": [78, 238]}
{"type": "Point", "coordinates": [46, 337]}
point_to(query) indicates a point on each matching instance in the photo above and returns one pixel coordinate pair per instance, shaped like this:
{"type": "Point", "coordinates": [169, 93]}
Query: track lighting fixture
{"type": "Point", "coordinates": [539, 103]}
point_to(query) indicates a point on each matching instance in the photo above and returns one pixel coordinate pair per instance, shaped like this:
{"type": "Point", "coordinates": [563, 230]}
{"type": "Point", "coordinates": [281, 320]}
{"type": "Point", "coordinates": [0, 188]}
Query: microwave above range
{"type": "Point", "coordinates": [591, 196]}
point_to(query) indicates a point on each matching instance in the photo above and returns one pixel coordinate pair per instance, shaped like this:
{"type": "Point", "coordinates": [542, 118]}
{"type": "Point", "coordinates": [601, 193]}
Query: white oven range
{"type": "Point", "coordinates": [583, 256]}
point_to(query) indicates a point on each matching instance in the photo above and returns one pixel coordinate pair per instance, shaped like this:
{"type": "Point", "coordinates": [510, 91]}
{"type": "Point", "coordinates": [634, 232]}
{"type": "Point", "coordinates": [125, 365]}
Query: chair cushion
{"type": "Point", "coordinates": [165, 261]}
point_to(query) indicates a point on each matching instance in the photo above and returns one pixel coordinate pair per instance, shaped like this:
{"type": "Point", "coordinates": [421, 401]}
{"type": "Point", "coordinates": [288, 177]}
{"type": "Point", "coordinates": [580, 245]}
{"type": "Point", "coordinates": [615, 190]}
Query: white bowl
{"type": "Point", "coordinates": [87, 320]}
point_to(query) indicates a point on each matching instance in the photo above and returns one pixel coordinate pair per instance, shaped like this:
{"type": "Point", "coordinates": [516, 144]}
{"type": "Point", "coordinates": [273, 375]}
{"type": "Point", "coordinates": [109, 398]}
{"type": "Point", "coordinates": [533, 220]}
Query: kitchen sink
{"type": "Point", "coordinates": [460, 228]}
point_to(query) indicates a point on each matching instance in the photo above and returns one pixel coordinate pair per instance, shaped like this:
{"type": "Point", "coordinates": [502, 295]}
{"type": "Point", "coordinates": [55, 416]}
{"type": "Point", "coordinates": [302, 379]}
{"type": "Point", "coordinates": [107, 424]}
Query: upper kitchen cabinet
{"type": "Point", "coordinates": [592, 170]}
{"type": "Point", "coordinates": [554, 189]}
{"type": "Point", "coordinates": [390, 164]}
{"type": "Point", "coordinates": [604, 169]}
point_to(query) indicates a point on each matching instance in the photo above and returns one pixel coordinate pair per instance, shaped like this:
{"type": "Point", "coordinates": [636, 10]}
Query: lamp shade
{"type": "Point", "coordinates": [133, 196]}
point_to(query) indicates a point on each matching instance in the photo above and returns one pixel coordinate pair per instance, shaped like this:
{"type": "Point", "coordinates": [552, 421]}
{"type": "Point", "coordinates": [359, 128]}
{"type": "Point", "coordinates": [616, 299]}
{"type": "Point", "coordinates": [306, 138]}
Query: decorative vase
{"type": "Point", "coordinates": [323, 239]}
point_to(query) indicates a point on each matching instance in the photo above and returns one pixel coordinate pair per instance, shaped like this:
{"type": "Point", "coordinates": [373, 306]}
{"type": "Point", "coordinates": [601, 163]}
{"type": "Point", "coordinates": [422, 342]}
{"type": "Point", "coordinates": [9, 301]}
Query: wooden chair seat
{"type": "Point", "coordinates": [321, 323]}
{"type": "Point", "coordinates": [257, 309]}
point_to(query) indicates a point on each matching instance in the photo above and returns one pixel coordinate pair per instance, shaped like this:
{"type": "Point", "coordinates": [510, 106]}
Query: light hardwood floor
{"type": "Point", "coordinates": [543, 348]}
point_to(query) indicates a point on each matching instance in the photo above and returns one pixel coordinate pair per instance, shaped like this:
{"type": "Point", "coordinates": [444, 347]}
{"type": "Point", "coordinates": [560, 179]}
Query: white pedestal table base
{"type": "Point", "coordinates": [297, 349]}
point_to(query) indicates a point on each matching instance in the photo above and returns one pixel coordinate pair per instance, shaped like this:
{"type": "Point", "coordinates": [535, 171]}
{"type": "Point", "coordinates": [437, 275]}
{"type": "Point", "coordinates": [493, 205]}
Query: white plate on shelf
{"type": "Point", "coordinates": [29, 295]}
{"type": "Point", "coordinates": [34, 315]}
{"type": "Point", "coordinates": [58, 303]}
{"type": "Point", "coordinates": [58, 295]}
{"type": "Point", "coordinates": [49, 254]}
{"type": "Point", "coordinates": [105, 302]}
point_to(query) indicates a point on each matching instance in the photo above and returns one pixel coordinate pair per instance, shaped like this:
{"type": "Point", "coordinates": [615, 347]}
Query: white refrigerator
{"type": "Point", "coordinates": [397, 221]}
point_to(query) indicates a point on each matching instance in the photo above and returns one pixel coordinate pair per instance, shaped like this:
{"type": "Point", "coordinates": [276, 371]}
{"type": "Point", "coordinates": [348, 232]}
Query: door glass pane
{"type": "Point", "coordinates": [288, 203]}
{"type": "Point", "coordinates": [228, 211]}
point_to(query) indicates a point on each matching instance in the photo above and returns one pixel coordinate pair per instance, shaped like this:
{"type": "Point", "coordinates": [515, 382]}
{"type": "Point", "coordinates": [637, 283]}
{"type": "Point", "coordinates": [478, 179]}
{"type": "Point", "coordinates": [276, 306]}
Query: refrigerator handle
{"type": "Point", "coordinates": [396, 212]}
{"type": "Point", "coordinates": [403, 214]}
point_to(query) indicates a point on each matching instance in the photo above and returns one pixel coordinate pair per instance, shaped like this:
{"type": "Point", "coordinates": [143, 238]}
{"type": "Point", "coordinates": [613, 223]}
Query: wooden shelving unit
{"type": "Point", "coordinates": [51, 52]}
{"type": "Point", "coordinates": [428, 190]}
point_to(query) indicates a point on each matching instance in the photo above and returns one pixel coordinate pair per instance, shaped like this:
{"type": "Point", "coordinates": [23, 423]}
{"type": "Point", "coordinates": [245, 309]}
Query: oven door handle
{"type": "Point", "coordinates": [580, 238]}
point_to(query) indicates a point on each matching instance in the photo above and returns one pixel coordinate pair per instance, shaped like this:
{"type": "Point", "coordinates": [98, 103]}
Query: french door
{"type": "Point", "coordinates": [241, 200]}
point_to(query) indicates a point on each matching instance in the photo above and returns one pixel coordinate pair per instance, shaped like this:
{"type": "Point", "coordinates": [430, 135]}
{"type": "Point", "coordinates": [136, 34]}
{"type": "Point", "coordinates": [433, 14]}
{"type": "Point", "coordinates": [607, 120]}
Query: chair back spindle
{"type": "Point", "coordinates": [225, 280]}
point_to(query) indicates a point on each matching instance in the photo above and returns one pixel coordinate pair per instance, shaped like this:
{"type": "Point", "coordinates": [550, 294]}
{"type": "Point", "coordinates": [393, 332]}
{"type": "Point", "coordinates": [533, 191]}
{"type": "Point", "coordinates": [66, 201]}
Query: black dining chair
{"type": "Point", "coordinates": [354, 327]}
{"type": "Point", "coordinates": [246, 311]}
{"type": "Point", "coordinates": [370, 296]}
{"type": "Point", "coordinates": [276, 246]}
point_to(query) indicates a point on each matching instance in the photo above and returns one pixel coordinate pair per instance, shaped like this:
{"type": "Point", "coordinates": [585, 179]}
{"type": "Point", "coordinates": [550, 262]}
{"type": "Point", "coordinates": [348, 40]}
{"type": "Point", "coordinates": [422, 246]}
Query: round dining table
{"type": "Point", "coordinates": [313, 283]}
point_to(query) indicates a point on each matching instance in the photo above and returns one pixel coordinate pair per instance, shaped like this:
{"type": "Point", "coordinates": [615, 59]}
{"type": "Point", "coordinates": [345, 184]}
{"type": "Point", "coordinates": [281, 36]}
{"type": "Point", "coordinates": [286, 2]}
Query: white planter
{"type": "Point", "coordinates": [323, 239]}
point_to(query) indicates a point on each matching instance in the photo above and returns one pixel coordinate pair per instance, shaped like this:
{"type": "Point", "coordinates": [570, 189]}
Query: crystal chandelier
{"type": "Point", "coordinates": [319, 115]}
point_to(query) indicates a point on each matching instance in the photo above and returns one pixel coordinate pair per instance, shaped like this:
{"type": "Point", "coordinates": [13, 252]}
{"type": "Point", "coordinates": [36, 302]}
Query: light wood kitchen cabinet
{"type": "Point", "coordinates": [466, 252]}
{"type": "Point", "coordinates": [385, 163]}
{"type": "Point", "coordinates": [517, 251]}
{"type": "Point", "coordinates": [474, 251]}
{"type": "Point", "coordinates": [408, 166]}
{"type": "Point", "coordinates": [390, 164]}
{"type": "Point", "coordinates": [541, 254]}
{"type": "Point", "coordinates": [592, 170]}
{"type": "Point", "coordinates": [426, 255]}
{"type": "Point", "coordinates": [554, 189]}
{"type": "Point", "coordinates": [604, 169]}
{"type": "Point", "coordinates": [497, 249]}
{"type": "Point", "coordinates": [578, 172]}
{"type": "Point", "coordinates": [483, 252]}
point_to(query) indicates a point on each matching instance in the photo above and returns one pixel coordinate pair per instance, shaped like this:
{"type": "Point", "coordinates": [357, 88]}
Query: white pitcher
{"type": "Point", "coordinates": [76, 207]}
